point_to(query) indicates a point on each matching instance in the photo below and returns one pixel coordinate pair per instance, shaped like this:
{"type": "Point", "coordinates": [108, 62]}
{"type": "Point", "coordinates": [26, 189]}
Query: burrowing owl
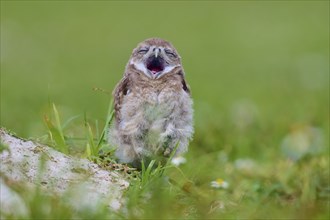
{"type": "Point", "coordinates": [153, 105]}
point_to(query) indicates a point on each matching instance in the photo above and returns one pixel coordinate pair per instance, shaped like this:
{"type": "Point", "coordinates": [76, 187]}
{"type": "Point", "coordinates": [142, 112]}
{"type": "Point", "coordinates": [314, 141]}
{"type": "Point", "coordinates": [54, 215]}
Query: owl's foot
{"type": "Point", "coordinates": [166, 141]}
{"type": "Point", "coordinates": [167, 152]}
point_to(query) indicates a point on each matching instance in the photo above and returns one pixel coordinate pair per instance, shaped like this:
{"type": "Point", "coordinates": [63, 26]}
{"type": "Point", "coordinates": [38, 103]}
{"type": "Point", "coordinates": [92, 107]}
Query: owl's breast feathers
{"type": "Point", "coordinates": [137, 91]}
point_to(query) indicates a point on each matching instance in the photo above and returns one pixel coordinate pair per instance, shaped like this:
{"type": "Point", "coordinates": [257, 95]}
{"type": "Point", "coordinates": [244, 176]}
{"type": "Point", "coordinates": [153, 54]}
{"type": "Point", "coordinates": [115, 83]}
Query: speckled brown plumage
{"type": "Point", "coordinates": [153, 105]}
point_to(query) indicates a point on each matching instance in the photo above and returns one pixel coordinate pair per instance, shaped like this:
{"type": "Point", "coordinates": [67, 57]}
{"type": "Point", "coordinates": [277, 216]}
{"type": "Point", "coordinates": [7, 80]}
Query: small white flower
{"type": "Point", "coordinates": [176, 161]}
{"type": "Point", "coordinates": [219, 183]}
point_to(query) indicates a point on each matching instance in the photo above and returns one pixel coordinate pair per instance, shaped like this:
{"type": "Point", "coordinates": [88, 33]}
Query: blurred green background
{"type": "Point", "coordinates": [258, 71]}
{"type": "Point", "coordinates": [271, 56]}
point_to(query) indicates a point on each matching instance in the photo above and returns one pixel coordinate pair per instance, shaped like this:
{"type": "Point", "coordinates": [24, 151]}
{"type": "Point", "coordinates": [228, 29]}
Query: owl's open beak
{"type": "Point", "coordinates": [155, 64]}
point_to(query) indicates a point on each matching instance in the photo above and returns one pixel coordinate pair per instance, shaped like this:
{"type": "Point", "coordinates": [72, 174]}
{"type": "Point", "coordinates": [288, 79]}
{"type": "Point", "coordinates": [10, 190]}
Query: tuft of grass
{"type": "Point", "coordinates": [94, 141]}
{"type": "Point", "coordinates": [55, 131]}
{"type": "Point", "coordinates": [93, 147]}
{"type": "Point", "coordinates": [108, 121]}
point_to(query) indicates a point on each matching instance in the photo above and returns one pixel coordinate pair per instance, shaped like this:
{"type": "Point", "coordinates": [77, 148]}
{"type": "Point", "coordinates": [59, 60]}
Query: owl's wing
{"type": "Point", "coordinates": [185, 86]}
{"type": "Point", "coordinates": [120, 91]}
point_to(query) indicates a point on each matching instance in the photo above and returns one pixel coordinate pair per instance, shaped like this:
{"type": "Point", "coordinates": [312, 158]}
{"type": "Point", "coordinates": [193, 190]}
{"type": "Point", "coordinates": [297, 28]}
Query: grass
{"type": "Point", "coordinates": [286, 188]}
{"type": "Point", "coordinates": [259, 75]}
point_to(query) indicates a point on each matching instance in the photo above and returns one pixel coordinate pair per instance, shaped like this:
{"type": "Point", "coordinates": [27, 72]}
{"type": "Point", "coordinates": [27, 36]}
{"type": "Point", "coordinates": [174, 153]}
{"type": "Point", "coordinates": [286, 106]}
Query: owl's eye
{"type": "Point", "coordinates": [170, 53]}
{"type": "Point", "coordinates": [143, 51]}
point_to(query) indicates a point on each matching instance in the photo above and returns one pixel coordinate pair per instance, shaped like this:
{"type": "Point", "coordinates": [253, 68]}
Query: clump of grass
{"type": "Point", "coordinates": [94, 142]}
{"type": "Point", "coordinates": [93, 148]}
{"type": "Point", "coordinates": [55, 131]}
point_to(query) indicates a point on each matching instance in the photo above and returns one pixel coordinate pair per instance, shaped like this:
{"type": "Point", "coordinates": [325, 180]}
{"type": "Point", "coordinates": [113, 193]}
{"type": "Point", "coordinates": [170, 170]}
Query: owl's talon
{"type": "Point", "coordinates": [167, 152]}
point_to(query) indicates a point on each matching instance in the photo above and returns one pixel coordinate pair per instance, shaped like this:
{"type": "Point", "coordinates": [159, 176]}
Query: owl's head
{"type": "Point", "coordinates": [155, 58]}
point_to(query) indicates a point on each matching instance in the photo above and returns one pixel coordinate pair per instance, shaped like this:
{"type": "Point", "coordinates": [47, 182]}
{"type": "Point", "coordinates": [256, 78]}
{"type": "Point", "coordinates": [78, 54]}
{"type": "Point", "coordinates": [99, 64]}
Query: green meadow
{"type": "Point", "coordinates": [259, 76]}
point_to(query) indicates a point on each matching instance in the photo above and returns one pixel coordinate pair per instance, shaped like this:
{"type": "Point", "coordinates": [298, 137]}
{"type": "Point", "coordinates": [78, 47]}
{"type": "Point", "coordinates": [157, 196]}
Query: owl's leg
{"type": "Point", "coordinates": [169, 139]}
{"type": "Point", "coordinates": [175, 138]}
{"type": "Point", "coordinates": [125, 154]}
{"type": "Point", "coordinates": [125, 151]}
{"type": "Point", "coordinates": [177, 143]}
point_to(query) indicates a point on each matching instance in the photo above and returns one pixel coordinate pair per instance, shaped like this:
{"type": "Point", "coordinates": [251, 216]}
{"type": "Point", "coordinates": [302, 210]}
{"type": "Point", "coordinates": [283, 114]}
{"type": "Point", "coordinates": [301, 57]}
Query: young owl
{"type": "Point", "coordinates": [153, 105]}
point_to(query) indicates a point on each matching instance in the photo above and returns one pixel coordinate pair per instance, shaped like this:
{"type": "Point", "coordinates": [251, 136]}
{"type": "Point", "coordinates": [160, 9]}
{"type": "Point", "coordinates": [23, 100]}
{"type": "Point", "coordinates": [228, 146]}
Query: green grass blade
{"type": "Point", "coordinates": [56, 136]}
{"type": "Point", "coordinates": [67, 122]}
{"type": "Point", "coordinates": [58, 122]}
{"type": "Point", "coordinates": [110, 116]}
